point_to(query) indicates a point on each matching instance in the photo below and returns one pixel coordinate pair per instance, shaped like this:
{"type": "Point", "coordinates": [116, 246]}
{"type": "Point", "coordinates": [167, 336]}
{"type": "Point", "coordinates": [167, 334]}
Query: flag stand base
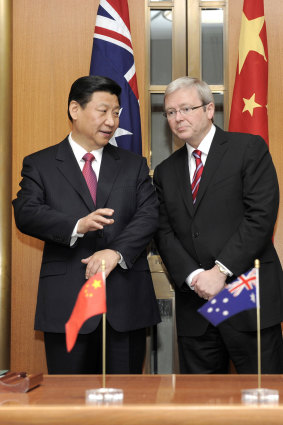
{"type": "Point", "coordinates": [104, 396]}
{"type": "Point", "coordinates": [260, 396]}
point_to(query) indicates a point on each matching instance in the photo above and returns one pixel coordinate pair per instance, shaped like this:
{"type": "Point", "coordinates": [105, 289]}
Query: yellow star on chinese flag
{"type": "Point", "coordinates": [96, 284]}
{"type": "Point", "coordinates": [250, 104]}
{"type": "Point", "coordinates": [250, 39]}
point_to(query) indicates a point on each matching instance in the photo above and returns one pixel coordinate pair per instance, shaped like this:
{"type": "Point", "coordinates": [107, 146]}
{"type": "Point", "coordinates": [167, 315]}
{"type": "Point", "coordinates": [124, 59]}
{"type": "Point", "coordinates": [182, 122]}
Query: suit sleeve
{"type": "Point", "coordinates": [138, 232]}
{"type": "Point", "coordinates": [260, 203]}
{"type": "Point", "coordinates": [33, 215]}
{"type": "Point", "coordinates": [176, 259]}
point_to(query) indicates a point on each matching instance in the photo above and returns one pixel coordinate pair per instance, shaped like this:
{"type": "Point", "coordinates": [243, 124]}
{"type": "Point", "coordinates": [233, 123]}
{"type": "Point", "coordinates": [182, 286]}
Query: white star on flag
{"type": "Point", "coordinates": [119, 132]}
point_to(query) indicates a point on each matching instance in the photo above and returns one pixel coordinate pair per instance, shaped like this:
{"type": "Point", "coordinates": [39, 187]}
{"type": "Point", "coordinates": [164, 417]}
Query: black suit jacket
{"type": "Point", "coordinates": [232, 221]}
{"type": "Point", "coordinates": [53, 196]}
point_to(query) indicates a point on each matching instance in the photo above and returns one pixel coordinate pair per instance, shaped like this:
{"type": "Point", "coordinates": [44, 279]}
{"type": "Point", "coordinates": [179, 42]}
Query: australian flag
{"type": "Point", "coordinates": [238, 296]}
{"type": "Point", "coordinates": [112, 57]}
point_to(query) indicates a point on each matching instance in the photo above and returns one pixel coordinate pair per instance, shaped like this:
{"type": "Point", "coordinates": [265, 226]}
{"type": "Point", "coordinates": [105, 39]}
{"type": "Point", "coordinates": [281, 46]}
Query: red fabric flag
{"type": "Point", "coordinates": [113, 57]}
{"type": "Point", "coordinates": [90, 302]}
{"type": "Point", "coordinates": [249, 103]}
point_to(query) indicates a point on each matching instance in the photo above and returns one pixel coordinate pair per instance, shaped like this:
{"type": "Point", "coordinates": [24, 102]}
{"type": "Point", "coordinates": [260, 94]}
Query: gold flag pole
{"type": "Point", "coordinates": [257, 266]}
{"type": "Point", "coordinates": [104, 396]}
{"type": "Point", "coordinates": [103, 334]}
{"type": "Point", "coordinates": [259, 395]}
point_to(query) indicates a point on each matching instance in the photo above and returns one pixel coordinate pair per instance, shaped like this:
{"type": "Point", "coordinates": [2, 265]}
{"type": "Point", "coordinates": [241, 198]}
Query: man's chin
{"type": "Point", "coordinates": [184, 135]}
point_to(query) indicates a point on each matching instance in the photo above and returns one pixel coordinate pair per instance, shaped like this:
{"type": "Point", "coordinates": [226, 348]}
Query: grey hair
{"type": "Point", "coordinates": [202, 88]}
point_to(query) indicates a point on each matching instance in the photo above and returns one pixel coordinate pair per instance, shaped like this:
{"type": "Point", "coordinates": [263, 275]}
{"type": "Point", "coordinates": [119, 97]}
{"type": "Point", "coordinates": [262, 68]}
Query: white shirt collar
{"type": "Point", "coordinates": [79, 151]}
{"type": "Point", "coordinates": [205, 144]}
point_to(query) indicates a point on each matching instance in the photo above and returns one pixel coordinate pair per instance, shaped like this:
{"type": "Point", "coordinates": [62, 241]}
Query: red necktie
{"type": "Point", "coordinates": [90, 175]}
{"type": "Point", "coordinates": [197, 174]}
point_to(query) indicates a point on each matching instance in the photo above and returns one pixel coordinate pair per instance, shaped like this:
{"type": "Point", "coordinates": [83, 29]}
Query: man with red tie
{"type": "Point", "coordinates": [219, 199]}
{"type": "Point", "coordinates": [91, 201]}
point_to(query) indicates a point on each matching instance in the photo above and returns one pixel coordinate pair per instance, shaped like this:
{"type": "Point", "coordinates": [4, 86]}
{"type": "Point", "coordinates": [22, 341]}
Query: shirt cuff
{"type": "Point", "coordinates": [189, 278]}
{"type": "Point", "coordinates": [75, 235]}
{"type": "Point", "coordinates": [122, 262]}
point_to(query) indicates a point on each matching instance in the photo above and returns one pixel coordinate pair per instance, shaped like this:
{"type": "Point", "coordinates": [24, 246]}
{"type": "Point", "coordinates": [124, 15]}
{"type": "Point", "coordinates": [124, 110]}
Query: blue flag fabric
{"type": "Point", "coordinates": [112, 57]}
{"type": "Point", "coordinates": [238, 296]}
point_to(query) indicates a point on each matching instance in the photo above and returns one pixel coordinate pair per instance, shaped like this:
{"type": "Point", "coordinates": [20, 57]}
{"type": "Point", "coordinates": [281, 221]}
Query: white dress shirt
{"type": "Point", "coordinates": [204, 147]}
{"type": "Point", "coordinates": [79, 153]}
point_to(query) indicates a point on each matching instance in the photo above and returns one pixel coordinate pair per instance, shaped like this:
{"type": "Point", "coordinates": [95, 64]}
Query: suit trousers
{"type": "Point", "coordinates": [211, 352]}
{"type": "Point", "coordinates": [125, 352]}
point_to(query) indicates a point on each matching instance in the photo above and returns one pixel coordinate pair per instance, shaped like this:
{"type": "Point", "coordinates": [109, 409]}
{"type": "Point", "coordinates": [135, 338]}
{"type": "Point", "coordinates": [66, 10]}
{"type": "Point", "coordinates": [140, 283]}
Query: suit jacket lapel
{"type": "Point", "coordinates": [109, 169]}
{"type": "Point", "coordinates": [216, 152]}
{"type": "Point", "coordinates": [68, 166]}
{"type": "Point", "coordinates": [182, 170]}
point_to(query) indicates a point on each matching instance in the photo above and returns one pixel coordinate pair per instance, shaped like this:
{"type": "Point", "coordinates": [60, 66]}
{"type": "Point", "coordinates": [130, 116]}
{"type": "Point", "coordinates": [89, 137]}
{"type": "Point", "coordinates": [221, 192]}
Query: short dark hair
{"type": "Point", "coordinates": [84, 87]}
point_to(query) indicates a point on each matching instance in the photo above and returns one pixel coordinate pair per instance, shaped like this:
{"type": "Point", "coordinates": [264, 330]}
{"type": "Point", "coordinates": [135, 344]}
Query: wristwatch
{"type": "Point", "coordinates": [222, 269]}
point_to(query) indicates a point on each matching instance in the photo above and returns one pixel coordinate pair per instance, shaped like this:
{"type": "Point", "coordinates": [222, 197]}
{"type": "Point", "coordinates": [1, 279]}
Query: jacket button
{"type": "Point", "coordinates": [196, 235]}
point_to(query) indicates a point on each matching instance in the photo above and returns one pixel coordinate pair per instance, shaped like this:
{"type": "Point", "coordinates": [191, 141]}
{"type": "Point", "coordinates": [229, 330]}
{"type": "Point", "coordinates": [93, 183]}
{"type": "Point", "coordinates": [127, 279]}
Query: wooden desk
{"type": "Point", "coordinates": [148, 399]}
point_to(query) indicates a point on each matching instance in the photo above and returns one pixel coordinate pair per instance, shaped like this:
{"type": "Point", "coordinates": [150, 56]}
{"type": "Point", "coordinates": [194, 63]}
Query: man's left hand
{"type": "Point", "coordinates": [94, 262]}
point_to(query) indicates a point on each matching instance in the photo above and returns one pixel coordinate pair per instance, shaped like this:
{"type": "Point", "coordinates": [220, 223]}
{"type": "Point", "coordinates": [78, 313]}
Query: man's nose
{"type": "Point", "coordinates": [179, 115]}
{"type": "Point", "coordinates": [110, 119]}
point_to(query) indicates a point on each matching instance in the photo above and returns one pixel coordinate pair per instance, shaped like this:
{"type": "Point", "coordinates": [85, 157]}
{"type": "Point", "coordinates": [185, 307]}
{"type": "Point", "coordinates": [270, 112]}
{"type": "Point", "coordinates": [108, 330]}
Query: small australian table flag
{"type": "Point", "coordinates": [237, 296]}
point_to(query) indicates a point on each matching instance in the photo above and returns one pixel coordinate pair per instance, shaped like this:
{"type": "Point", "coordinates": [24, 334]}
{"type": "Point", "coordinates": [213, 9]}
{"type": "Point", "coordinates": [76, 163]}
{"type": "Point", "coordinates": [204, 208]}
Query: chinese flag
{"type": "Point", "coordinates": [249, 103]}
{"type": "Point", "coordinates": [91, 301]}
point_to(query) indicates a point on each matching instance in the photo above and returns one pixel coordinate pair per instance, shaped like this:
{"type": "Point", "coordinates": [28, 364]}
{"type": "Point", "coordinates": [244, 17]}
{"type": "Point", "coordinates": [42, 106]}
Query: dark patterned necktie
{"type": "Point", "coordinates": [197, 174]}
{"type": "Point", "coordinates": [90, 175]}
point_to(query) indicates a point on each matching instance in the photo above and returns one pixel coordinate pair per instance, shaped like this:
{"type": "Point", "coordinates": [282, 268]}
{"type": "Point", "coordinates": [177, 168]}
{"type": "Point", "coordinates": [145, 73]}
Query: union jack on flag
{"type": "Point", "coordinates": [245, 281]}
{"type": "Point", "coordinates": [238, 296]}
{"type": "Point", "coordinates": [113, 57]}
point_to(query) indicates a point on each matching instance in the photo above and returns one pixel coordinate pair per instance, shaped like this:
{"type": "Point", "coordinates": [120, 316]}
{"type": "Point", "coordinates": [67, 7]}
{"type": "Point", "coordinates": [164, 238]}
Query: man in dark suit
{"type": "Point", "coordinates": [218, 205]}
{"type": "Point", "coordinates": [113, 218]}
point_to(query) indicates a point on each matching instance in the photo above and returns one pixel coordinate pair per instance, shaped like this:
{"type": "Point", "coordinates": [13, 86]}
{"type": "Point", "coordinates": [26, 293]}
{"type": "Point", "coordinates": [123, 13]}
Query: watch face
{"type": "Point", "coordinates": [222, 270]}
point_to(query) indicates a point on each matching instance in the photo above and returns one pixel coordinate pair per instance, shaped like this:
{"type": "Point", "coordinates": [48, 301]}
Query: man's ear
{"type": "Point", "coordinates": [73, 109]}
{"type": "Point", "coordinates": [210, 110]}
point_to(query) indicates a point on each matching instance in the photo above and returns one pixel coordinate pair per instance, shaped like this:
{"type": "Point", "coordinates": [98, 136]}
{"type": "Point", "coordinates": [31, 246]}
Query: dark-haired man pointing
{"type": "Point", "coordinates": [90, 201]}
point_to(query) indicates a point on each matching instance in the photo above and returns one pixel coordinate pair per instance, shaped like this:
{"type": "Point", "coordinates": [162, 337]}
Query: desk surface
{"type": "Point", "coordinates": [148, 399]}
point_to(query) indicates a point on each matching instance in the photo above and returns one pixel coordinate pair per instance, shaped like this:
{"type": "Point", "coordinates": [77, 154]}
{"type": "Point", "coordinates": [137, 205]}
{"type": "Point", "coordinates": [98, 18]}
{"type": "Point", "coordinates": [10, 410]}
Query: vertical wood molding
{"type": "Point", "coordinates": [5, 178]}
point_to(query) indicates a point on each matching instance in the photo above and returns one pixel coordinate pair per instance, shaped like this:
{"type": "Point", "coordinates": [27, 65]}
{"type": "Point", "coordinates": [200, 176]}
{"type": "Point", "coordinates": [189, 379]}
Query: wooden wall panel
{"type": "Point", "coordinates": [52, 47]}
